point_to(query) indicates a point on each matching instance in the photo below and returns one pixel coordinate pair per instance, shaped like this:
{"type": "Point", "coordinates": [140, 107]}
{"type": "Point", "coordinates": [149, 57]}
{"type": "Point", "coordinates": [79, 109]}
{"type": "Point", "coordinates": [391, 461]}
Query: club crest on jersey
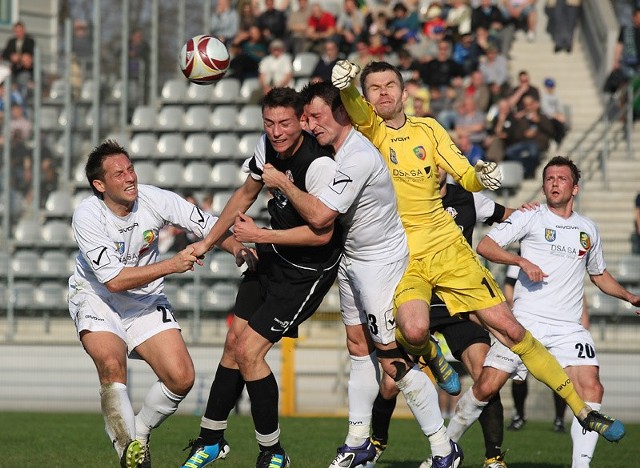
{"type": "Point", "coordinates": [392, 156]}
{"type": "Point", "coordinates": [420, 152]}
{"type": "Point", "coordinates": [452, 211]}
{"type": "Point", "coordinates": [585, 241]}
{"type": "Point", "coordinates": [149, 236]}
{"type": "Point", "coordinates": [119, 247]}
{"type": "Point", "coordinates": [549, 234]}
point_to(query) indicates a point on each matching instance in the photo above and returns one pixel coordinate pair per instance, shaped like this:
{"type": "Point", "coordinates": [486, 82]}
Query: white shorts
{"type": "Point", "coordinates": [570, 344]}
{"type": "Point", "coordinates": [366, 295]}
{"type": "Point", "coordinates": [90, 312]}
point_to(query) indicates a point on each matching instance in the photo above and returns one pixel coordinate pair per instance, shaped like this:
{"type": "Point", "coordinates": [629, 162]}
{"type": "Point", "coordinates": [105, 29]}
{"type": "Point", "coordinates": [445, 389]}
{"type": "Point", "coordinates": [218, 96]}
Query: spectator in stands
{"type": "Point", "coordinates": [378, 46]}
{"type": "Point", "coordinates": [247, 18]}
{"type": "Point", "coordinates": [16, 97]}
{"type": "Point", "coordinates": [531, 136]}
{"type": "Point", "coordinates": [20, 126]}
{"type": "Point", "coordinates": [563, 17]}
{"type": "Point", "coordinates": [48, 178]}
{"type": "Point", "coordinates": [442, 70]}
{"type": "Point", "coordinates": [626, 56]}
{"type": "Point", "coordinates": [322, 26]}
{"type": "Point", "coordinates": [404, 27]}
{"type": "Point", "coordinates": [297, 24]}
{"type": "Point", "coordinates": [488, 18]}
{"type": "Point", "coordinates": [522, 14]}
{"type": "Point", "coordinates": [495, 69]}
{"type": "Point", "coordinates": [635, 238]}
{"type": "Point", "coordinates": [224, 22]}
{"type": "Point", "coordinates": [276, 69]}
{"type": "Point", "coordinates": [408, 66]}
{"type": "Point", "coordinates": [378, 26]}
{"type": "Point", "coordinates": [472, 151]}
{"type": "Point", "coordinates": [139, 54]}
{"type": "Point", "coordinates": [470, 121]}
{"type": "Point", "coordinates": [552, 107]}
{"type": "Point", "coordinates": [418, 97]}
{"type": "Point", "coordinates": [442, 105]}
{"type": "Point", "coordinates": [349, 26]}
{"type": "Point", "coordinates": [18, 52]}
{"type": "Point", "coordinates": [247, 54]}
{"type": "Point", "coordinates": [479, 90]}
{"type": "Point", "coordinates": [82, 46]}
{"type": "Point", "coordinates": [272, 22]}
{"type": "Point", "coordinates": [322, 71]}
{"type": "Point", "coordinates": [524, 88]}
{"type": "Point", "coordinates": [458, 19]}
{"type": "Point", "coordinates": [433, 19]}
{"type": "Point", "coordinates": [467, 53]}
{"type": "Point", "coordinates": [361, 56]}
{"type": "Point", "coordinates": [501, 125]}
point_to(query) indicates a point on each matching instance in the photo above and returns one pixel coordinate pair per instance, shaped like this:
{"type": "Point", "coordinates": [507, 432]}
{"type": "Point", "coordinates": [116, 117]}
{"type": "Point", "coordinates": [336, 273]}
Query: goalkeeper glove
{"type": "Point", "coordinates": [489, 174]}
{"type": "Point", "coordinates": [343, 72]}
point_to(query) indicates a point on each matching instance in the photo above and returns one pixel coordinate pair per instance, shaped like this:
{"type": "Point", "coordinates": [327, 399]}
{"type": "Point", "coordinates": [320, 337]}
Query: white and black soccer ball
{"type": "Point", "coordinates": [204, 59]}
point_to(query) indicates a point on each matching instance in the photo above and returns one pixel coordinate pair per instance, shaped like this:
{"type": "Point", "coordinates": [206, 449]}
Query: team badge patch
{"type": "Point", "coordinates": [392, 156]}
{"type": "Point", "coordinates": [119, 247]}
{"type": "Point", "coordinates": [149, 236]}
{"type": "Point", "coordinates": [585, 241]}
{"type": "Point", "coordinates": [340, 182]}
{"type": "Point", "coordinates": [549, 234]}
{"type": "Point", "coordinates": [420, 152]}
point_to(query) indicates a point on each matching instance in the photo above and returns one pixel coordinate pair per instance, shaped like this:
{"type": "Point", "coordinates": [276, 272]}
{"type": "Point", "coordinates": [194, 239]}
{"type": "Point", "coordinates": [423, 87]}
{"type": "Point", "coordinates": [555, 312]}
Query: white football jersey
{"type": "Point", "coordinates": [362, 192]}
{"type": "Point", "coordinates": [563, 249]}
{"type": "Point", "coordinates": [109, 243]}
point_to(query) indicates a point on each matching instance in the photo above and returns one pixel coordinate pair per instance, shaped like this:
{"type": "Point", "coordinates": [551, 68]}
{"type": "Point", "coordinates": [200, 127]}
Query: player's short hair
{"type": "Point", "coordinates": [283, 97]}
{"type": "Point", "coordinates": [562, 161]}
{"type": "Point", "coordinates": [323, 90]}
{"type": "Point", "coordinates": [377, 67]}
{"type": "Point", "coordinates": [94, 168]}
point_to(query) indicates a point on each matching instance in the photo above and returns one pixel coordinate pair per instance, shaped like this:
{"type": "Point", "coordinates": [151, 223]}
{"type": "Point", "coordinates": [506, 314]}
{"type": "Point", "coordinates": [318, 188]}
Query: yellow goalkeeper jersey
{"type": "Point", "coordinates": [413, 154]}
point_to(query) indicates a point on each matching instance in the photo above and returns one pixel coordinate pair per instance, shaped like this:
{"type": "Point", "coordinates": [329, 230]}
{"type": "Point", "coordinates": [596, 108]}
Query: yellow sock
{"type": "Point", "coordinates": [425, 349]}
{"type": "Point", "coordinates": [544, 367]}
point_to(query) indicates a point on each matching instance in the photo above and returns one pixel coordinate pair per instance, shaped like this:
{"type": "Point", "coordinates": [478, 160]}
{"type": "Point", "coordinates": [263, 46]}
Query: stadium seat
{"type": "Point", "coordinates": [300, 83]}
{"type": "Point", "coordinates": [54, 264]}
{"type": "Point", "coordinates": [79, 176]}
{"type": "Point", "coordinates": [226, 175]}
{"type": "Point", "coordinates": [222, 265]}
{"type": "Point", "coordinates": [23, 295]}
{"type": "Point", "coordinates": [220, 199]}
{"type": "Point", "coordinates": [144, 118]}
{"type": "Point", "coordinates": [170, 118]}
{"type": "Point", "coordinates": [224, 118]}
{"type": "Point", "coordinates": [199, 93]}
{"type": "Point", "coordinates": [28, 232]}
{"type": "Point", "coordinates": [247, 144]}
{"type": "Point", "coordinates": [250, 118]}
{"type": "Point", "coordinates": [115, 94]}
{"type": "Point", "coordinates": [4, 299]}
{"type": "Point", "coordinates": [51, 295]}
{"type": "Point", "coordinates": [304, 63]}
{"type": "Point", "coordinates": [4, 263]}
{"type": "Point", "coordinates": [197, 174]}
{"type": "Point", "coordinates": [224, 146]}
{"type": "Point", "coordinates": [169, 174]}
{"type": "Point", "coordinates": [59, 204]}
{"type": "Point", "coordinates": [146, 172]}
{"type": "Point", "coordinates": [57, 90]}
{"type": "Point", "coordinates": [170, 290]}
{"type": "Point", "coordinates": [79, 196]}
{"type": "Point", "coordinates": [197, 118]}
{"type": "Point", "coordinates": [170, 146]}
{"type": "Point", "coordinates": [197, 145]}
{"type": "Point", "coordinates": [49, 118]}
{"type": "Point", "coordinates": [603, 305]}
{"type": "Point", "coordinates": [188, 296]}
{"type": "Point", "coordinates": [88, 90]}
{"type": "Point", "coordinates": [24, 263]}
{"type": "Point", "coordinates": [174, 90]}
{"type": "Point", "coordinates": [227, 90]}
{"type": "Point", "coordinates": [513, 174]}
{"type": "Point", "coordinates": [221, 297]}
{"type": "Point", "coordinates": [57, 233]}
{"type": "Point", "coordinates": [250, 91]}
{"type": "Point", "coordinates": [257, 209]}
{"type": "Point", "coordinates": [629, 271]}
{"type": "Point", "coordinates": [143, 145]}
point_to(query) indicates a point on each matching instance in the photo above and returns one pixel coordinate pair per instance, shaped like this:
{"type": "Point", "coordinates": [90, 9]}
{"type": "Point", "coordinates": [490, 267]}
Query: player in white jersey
{"type": "Point", "coordinates": [557, 246]}
{"type": "Point", "coordinates": [116, 296]}
{"type": "Point", "coordinates": [361, 197]}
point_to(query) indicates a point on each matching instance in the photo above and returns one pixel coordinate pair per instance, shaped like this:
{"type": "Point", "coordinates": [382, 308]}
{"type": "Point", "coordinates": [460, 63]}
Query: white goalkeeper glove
{"type": "Point", "coordinates": [489, 174]}
{"type": "Point", "coordinates": [343, 72]}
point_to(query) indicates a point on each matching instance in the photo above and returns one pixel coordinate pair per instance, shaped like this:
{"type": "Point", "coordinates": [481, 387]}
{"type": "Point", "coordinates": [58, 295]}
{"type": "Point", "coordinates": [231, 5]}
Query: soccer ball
{"type": "Point", "coordinates": [204, 59]}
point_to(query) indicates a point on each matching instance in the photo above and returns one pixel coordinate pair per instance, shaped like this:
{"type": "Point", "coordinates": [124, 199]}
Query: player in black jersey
{"type": "Point", "coordinates": [297, 266]}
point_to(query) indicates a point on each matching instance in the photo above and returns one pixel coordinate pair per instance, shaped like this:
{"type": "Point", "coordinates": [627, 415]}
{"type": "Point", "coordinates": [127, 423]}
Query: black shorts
{"type": "Point", "coordinates": [458, 330]}
{"type": "Point", "coordinates": [279, 296]}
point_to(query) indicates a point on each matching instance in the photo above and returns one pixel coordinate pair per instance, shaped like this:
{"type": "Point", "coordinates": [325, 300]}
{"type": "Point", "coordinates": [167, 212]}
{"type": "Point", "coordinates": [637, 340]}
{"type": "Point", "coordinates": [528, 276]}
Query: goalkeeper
{"type": "Point", "coordinates": [440, 260]}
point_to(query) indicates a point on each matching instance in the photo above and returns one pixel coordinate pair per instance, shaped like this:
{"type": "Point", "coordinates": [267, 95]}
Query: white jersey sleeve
{"type": "Point", "coordinates": [259, 156]}
{"type": "Point", "coordinates": [485, 206]}
{"type": "Point", "coordinates": [320, 174]}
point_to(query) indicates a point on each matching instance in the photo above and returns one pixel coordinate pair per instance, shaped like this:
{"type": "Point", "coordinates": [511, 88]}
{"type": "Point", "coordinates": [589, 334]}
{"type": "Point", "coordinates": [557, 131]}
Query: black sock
{"type": "Point", "coordinates": [561, 406]}
{"type": "Point", "coordinates": [491, 420]}
{"type": "Point", "coordinates": [519, 390]}
{"type": "Point", "coordinates": [263, 394]}
{"type": "Point", "coordinates": [225, 390]}
{"type": "Point", "coordinates": [381, 417]}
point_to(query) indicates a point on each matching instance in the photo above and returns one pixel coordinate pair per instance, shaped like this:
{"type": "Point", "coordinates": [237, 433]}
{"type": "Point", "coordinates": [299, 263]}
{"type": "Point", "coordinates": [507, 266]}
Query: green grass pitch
{"type": "Point", "coordinates": [79, 440]}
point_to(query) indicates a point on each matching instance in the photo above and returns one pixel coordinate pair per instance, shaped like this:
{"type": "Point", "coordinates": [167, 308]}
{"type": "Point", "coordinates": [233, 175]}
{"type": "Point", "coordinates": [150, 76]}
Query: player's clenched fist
{"type": "Point", "coordinates": [343, 72]}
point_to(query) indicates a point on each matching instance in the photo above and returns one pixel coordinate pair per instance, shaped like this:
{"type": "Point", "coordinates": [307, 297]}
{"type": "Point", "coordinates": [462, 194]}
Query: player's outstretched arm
{"type": "Point", "coordinates": [245, 230]}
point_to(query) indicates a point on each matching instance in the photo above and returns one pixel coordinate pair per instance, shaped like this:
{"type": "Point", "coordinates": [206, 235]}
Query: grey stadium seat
{"type": "Point", "coordinates": [170, 146]}
{"type": "Point", "coordinates": [146, 172]}
{"type": "Point", "coordinates": [28, 232]}
{"type": "Point", "coordinates": [224, 118]}
{"type": "Point", "coordinates": [603, 305]}
{"type": "Point", "coordinates": [304, 63]}
{"type": "Point", "coordinates": [223, 265]}
{"type": "Point", "coordinates": [221, 297]}
{"type": "Point", "coordinates": [197, 174]}
{"type": "Point", "coordinates": [24, 263]}
{"type": "Point", "coordinates": [144, 118]}
{"type": "Point", "coordinates": [57, 233]}
{"type": "Point", "coordinates": [174, 90]}
{"type": "Point", "coordinates": [220, 199]}
{"type": "Point", "coordinates": [197, 118]}
{"type": "Point", "coordinates": [226, 175]}
{"type": "Point", "coordinates": [169, 174]}
{"type": "Point", "coordinates": [199, 94]}
{"type": "Point", "coordinates": [51, 295]}
{"type": "Point", "coordinates": [250, 118]}
{"type": "Point", "coordinates": [54, 264]}
{"type": "Point", "coordinates": [59, 203]}
{"type": "Point", "coordinates": [88, 90]}
{"type": "Point", "coordinates": [513, 174]}
{"type": "Point", "coordinates": [226, 90]}
{"type": "Point", "coordinates": [23, 295]}
{"type": "Point", "coordinates": [250, 91]}
{"type": "Point", "coordinates": [197, 145]}
{"type": "Point", "coordinates": [57, 90]}
{"type": "Point", "coordinates": [143, 145]}
{"type": "Point", "coordinates": [224, 146]}
{"type": "Point", "coordinates": [247, 144]}
{"type": "Point", "coordinates": [170, 118]}
{"type": "Point", "coordinates": [49, 118]}
{"type": "Point", "coordinates": [629, 270]}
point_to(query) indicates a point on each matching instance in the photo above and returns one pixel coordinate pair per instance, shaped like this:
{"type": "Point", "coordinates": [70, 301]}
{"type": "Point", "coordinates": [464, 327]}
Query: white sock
{"type": "Point", "coordinates": [268, 440]}
{"type": "Point", "coordinates": [422, 399]}
{"type": "Point", "coordinates": [159, 404]}
{"type": "Point", "coordinates": [364, 384]}
{"type": "Point", "coordinates": [584, 442]}
{"type": "Point", "coordinates": [119, 420]}
{"type": "Point", "coordinates": [467, 411]}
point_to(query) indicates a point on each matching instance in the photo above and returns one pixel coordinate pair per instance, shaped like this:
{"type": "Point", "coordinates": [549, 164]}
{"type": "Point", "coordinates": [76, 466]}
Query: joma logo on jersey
{"type": "Point", "coordinates": [410, 173]}
{"type": "Point", "coordinates": [420, 152]}
{"type": "Point", "coordinates": [128, 228]}
{"type": "Point", "coordinates": [549, 234]}
{"type": "Point", "coordinates": [585, 241]}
